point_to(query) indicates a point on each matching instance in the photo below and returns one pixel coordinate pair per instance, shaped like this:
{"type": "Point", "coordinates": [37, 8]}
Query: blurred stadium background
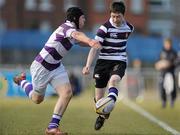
{"type": "Point", "coordinates": [25, 25]}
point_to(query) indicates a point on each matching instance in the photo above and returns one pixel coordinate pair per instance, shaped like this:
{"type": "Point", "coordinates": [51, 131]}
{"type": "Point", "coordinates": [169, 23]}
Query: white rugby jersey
{"type": "Point", "coordinates": [113, 40]}
{"type": "Point", "coordinates": [58, 44]}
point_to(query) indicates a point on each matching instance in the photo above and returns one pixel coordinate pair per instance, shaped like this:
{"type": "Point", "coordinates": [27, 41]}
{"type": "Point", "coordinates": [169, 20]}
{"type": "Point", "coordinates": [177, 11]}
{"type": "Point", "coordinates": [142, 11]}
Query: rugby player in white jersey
{"type": "Point", "coordinates": [112, 61]}
{"type": "Point", "coordinates": [47, 68]}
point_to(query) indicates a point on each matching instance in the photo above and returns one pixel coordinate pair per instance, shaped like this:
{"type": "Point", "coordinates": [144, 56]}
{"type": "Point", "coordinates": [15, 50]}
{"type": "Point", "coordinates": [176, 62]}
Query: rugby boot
{"type": "Point", "coordinates": [99, 122]}
{"type": "Point", "coordinates": [54, 131]}
{"type": "Point", "coordinates": [18, 78]}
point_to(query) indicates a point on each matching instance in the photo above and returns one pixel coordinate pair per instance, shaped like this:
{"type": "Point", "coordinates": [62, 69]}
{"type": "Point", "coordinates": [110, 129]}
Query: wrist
{"type": "Point", "coordinates": [87, 66]}
{"type": "Point", "coordinates": [90, 41]}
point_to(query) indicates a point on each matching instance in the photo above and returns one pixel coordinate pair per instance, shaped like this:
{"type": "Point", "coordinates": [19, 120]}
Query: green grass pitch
{"type": "Point", "coordinates": [19, 116]}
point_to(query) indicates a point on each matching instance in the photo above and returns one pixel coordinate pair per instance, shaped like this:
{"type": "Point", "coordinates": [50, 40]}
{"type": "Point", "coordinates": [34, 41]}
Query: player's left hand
{"type": "Point", "coordinates": [86, 70]}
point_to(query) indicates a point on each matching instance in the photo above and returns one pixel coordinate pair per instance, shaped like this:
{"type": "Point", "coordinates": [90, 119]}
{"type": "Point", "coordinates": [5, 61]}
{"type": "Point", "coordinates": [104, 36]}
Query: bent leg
{"type": "Point", "coordinates": [65, 93]}
{"type": "Point", "coordinates": [113, 86]}
{"type": "Point", "coordinates": [35, 95]}
{"type": "Point", "coordinates": [37, 98]}
{"type": "Point", "coordinates": [114, 81]}
{"type": "Point", "coordinates": [99, 93]}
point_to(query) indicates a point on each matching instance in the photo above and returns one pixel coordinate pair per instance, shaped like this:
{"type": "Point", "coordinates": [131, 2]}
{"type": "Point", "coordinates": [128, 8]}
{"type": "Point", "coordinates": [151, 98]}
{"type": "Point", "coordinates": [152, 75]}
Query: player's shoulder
{"type": "Point", "coordinates": [107, 24]}
{"type": "Point", "coordinates": [130, 25]}
{"type": "Point", "coordinates": [67, 25]}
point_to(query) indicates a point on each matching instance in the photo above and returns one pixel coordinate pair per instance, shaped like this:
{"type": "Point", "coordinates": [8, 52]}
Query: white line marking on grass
{"type": "Point", "coordinates": [144, 113]}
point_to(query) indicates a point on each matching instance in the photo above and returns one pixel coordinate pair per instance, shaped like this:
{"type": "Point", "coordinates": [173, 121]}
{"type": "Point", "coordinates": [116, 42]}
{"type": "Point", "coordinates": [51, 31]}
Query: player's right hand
{"type": "Point", "coordinates": [86, 70]}
{"type": "Point", "coordinates": [95, 44]}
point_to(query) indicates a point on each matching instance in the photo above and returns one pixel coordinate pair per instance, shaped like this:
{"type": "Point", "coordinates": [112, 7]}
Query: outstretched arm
{"type": "Point", "coordinates": [91, 56]}
{"type": "Point", "coordinates": [80, 36]}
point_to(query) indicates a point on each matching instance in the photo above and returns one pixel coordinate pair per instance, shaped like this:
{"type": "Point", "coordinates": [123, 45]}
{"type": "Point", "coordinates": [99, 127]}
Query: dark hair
{"type": "Point", "coordinates": [118, 7]}
{"type": "Point", "coordinates": [73, 14]}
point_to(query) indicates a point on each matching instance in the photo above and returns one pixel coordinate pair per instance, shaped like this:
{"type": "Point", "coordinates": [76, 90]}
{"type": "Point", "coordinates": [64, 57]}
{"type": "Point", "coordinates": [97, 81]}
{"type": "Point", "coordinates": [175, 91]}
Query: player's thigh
{"type": "Point", "coordinates": [119, 69]}
{"type": "Point", "coordinates": [101, 74]}
{"type": "Point", "coordinates": [40, 78]}
{"type": "Point", "coordinates": [60, 81]}
{"type": "Point", "coordinates": [117, 73]}
{"type": "Point", "coordinates": [64, 90]}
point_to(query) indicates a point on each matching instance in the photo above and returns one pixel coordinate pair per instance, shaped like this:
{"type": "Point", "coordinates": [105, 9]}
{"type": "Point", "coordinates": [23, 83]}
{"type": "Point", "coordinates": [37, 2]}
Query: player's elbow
{"type": "Point", "coordinates": [76, 34]}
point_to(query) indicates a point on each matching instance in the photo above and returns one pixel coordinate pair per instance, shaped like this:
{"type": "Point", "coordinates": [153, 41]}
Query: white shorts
{"type": "Point", "coordinates": [41, 77]}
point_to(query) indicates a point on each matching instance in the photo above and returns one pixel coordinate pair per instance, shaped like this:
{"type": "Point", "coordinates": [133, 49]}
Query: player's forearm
{"type": "Point", "coordinates": [81, 37]}
{"type": "Point", "coordinates": [91, 56]}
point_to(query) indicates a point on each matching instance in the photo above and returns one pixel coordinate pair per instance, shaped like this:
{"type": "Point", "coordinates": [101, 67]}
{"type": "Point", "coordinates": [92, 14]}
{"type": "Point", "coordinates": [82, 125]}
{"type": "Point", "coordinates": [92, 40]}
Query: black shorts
{"type": "Point", "coordinates": [104, 69]}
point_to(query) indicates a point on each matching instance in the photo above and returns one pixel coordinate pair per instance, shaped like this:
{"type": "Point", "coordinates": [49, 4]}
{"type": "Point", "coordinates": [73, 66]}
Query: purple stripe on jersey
{"type": "Point", "coordinates": [121, 44]}
{"type": "Point", "coordinates": [66, 28]}
{"type": "Point", "coordinates": [53, 52]}
{"type": "Point", "coordinates": [108, 24]}
{"type": "Point", "coordinates": [58, 37]}
{"type": "Point", "coordinates": [45, 64]}
{"type": "Point", "coordinates": [116, 35]}
{"type": "Point", "coordinates": [64, 41]}
{"type": "Point", "coordinates": [101, 33]}
{"type": "Point", "coordinates": [112, 50]}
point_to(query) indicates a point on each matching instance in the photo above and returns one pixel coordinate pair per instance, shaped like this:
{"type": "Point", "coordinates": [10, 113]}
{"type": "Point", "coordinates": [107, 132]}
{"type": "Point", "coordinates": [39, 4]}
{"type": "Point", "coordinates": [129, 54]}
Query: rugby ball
{"type": "Point", "coordinates": [162, 64]}
{"type": "Point", "coordinates": [104, 105]}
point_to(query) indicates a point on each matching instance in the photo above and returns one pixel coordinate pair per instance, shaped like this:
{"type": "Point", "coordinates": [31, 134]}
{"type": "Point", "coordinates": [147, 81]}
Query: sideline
{"type": "Point", "coordinates": [147, 115]}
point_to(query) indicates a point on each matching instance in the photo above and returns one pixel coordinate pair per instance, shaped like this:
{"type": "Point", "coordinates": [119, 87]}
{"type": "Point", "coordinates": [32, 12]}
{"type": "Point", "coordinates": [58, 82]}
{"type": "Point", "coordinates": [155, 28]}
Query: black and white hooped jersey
{"type": "Point", "coordinates": [58, 44]}
{"type": "Point", "coordinates": [113, 40]}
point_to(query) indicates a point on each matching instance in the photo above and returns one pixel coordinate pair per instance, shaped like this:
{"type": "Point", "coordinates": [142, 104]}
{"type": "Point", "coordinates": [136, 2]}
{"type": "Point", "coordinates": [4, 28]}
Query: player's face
{"type": "Point", "coordinates": [117, 18]}
{"type": "Point", "coordinates": [167, 45]}
{"type": "Point", "coordinates": [81, 21]}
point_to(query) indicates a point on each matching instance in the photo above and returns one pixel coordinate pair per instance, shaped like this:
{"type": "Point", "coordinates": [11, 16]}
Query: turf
{"type": "Point", "coordinates": [19, 116]}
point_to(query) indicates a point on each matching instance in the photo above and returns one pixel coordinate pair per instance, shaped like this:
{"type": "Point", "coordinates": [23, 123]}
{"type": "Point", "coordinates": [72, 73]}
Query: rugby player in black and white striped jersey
{"type": "Point", "coordinates": [112, 60]}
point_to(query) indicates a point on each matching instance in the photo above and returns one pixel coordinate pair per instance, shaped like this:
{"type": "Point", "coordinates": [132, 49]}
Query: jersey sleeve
{"type": "Point", "coordinates": [101, 33]}
{"type": "Point", "coordinates": [68, 32]}
{"type": "Point", "coordinates": [130, 26]}
{"type": "Point", "coordinates": [65, 31]}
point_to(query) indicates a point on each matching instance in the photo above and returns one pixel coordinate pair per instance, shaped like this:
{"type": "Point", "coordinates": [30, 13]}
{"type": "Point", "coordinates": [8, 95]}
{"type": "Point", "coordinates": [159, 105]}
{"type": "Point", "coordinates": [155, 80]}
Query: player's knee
{"type": "Point", "coordinates": [37, 100]}
{"type": "Point", "coordinates": [68, 93]}
{"type": "Point", "coordinates": [114, 80]}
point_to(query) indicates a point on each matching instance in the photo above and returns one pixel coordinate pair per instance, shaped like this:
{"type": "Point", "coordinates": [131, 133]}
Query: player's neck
{"type": "Point", "coordinates": [117, 25]}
